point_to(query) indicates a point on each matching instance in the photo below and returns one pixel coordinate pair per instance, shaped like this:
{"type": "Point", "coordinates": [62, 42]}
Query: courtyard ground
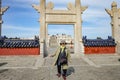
{"type": "Point", "coordinates": [88, 67]}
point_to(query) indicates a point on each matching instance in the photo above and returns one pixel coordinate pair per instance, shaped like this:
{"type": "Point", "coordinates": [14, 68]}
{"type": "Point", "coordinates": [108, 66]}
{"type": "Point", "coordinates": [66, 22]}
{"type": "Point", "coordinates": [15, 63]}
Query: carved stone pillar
{"type": "Point", "coordinates": [42, 10]}
{"type": "Point", "coordinates": [2, 10]}
{"type": "Point", "coordinates": [79, 48]}
{"type": "Point", "coordinates": [115, 21]}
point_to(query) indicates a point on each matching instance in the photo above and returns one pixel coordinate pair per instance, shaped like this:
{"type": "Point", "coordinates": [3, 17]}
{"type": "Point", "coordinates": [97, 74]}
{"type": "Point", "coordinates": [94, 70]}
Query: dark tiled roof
{"type": "Point", "coordinates": [99, 42]}
{"type": "Point", "coordinates": [18, 43]}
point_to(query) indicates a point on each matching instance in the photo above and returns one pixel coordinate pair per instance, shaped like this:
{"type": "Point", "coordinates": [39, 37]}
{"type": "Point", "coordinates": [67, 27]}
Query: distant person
{"type": "Point", "coordinates": [62, 56]}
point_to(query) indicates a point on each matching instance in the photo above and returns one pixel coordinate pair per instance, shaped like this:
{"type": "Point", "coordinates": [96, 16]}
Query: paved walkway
{"type": "Point", "coordinates": [88, 67]}
{"type": "Point", "coordinates": [35, 61]}
{"type": "Point", "coordinates": [18, 61]}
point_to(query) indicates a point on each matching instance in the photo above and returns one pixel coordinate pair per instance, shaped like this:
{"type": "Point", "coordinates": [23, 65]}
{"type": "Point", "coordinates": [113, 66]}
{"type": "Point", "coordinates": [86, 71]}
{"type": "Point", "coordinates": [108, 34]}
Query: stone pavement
{"type": "Point", "coordinates": [18, 61]}
{"type": "Point", "coordinates": [106, 67]}
{"type": "Point", "coordinates": [105, 59]}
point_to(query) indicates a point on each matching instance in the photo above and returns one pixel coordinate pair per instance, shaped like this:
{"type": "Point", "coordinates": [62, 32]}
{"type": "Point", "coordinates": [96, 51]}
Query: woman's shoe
{"type": "Point", "coordinates": [64, 77]}
{"type": "Point", "coordinates": [58, 75]}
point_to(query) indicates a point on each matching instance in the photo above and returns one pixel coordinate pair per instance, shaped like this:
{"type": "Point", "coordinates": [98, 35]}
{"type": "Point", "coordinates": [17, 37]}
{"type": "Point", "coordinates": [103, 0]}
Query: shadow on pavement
{"type": "Point", "coordinates": [70, 71]}
{"type": "Point", "coordinates": [4, 70]}
{"type": "Point", "coordinates": [118, 59]}
{"type": "Point", "coordinates": [1, 64]}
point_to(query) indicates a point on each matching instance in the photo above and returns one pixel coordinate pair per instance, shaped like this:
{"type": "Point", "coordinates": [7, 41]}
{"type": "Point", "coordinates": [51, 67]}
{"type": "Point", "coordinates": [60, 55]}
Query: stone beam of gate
{"type": "Point", "coordinates": [60, 16]}
{"type": "Point", "coordinates": [70, 16]}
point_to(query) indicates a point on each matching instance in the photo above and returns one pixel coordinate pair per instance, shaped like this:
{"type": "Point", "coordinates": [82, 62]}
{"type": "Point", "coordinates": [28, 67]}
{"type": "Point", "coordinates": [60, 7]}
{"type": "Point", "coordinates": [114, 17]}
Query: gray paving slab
{"type": "Point", "coordinates": [49, 73]}
{"type": "Point", "coordinates": [105, 59]}
{"type": "Point", "coordinates": [18, 61]}
{"type": "Point", "coordinates": [25, 74]}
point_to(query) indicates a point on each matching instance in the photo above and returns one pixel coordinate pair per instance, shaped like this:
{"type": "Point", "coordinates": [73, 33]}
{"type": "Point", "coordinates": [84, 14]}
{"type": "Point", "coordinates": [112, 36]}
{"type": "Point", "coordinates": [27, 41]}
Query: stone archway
{"type": "Point", "coordinates": [70, 16]}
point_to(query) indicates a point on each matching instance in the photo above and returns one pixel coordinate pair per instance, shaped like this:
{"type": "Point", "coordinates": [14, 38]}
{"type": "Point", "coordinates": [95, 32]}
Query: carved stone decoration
{"type": "Point", "coordinates": [109, 12]}
{"type": "Point", "coordinates": [70, 6]}
{"type": "Point", "coordinates": [37, 8]}
{"type": "Point", "coordinates": [84, 8]}
{"type": "Point", "coordinates": [114, 4]}
{"type": "Point", "coordinates": [4, 9]}
{"type": "Point", "coordinates": [50, 5]}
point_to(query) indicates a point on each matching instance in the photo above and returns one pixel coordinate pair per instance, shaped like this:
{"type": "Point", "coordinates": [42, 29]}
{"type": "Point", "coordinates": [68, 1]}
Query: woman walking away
{"type": "Point", "coordinates": [62, 56]}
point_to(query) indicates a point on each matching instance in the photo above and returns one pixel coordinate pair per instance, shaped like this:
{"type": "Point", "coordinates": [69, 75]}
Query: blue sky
{"type": "Point", "coordinates": [21, 20]}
